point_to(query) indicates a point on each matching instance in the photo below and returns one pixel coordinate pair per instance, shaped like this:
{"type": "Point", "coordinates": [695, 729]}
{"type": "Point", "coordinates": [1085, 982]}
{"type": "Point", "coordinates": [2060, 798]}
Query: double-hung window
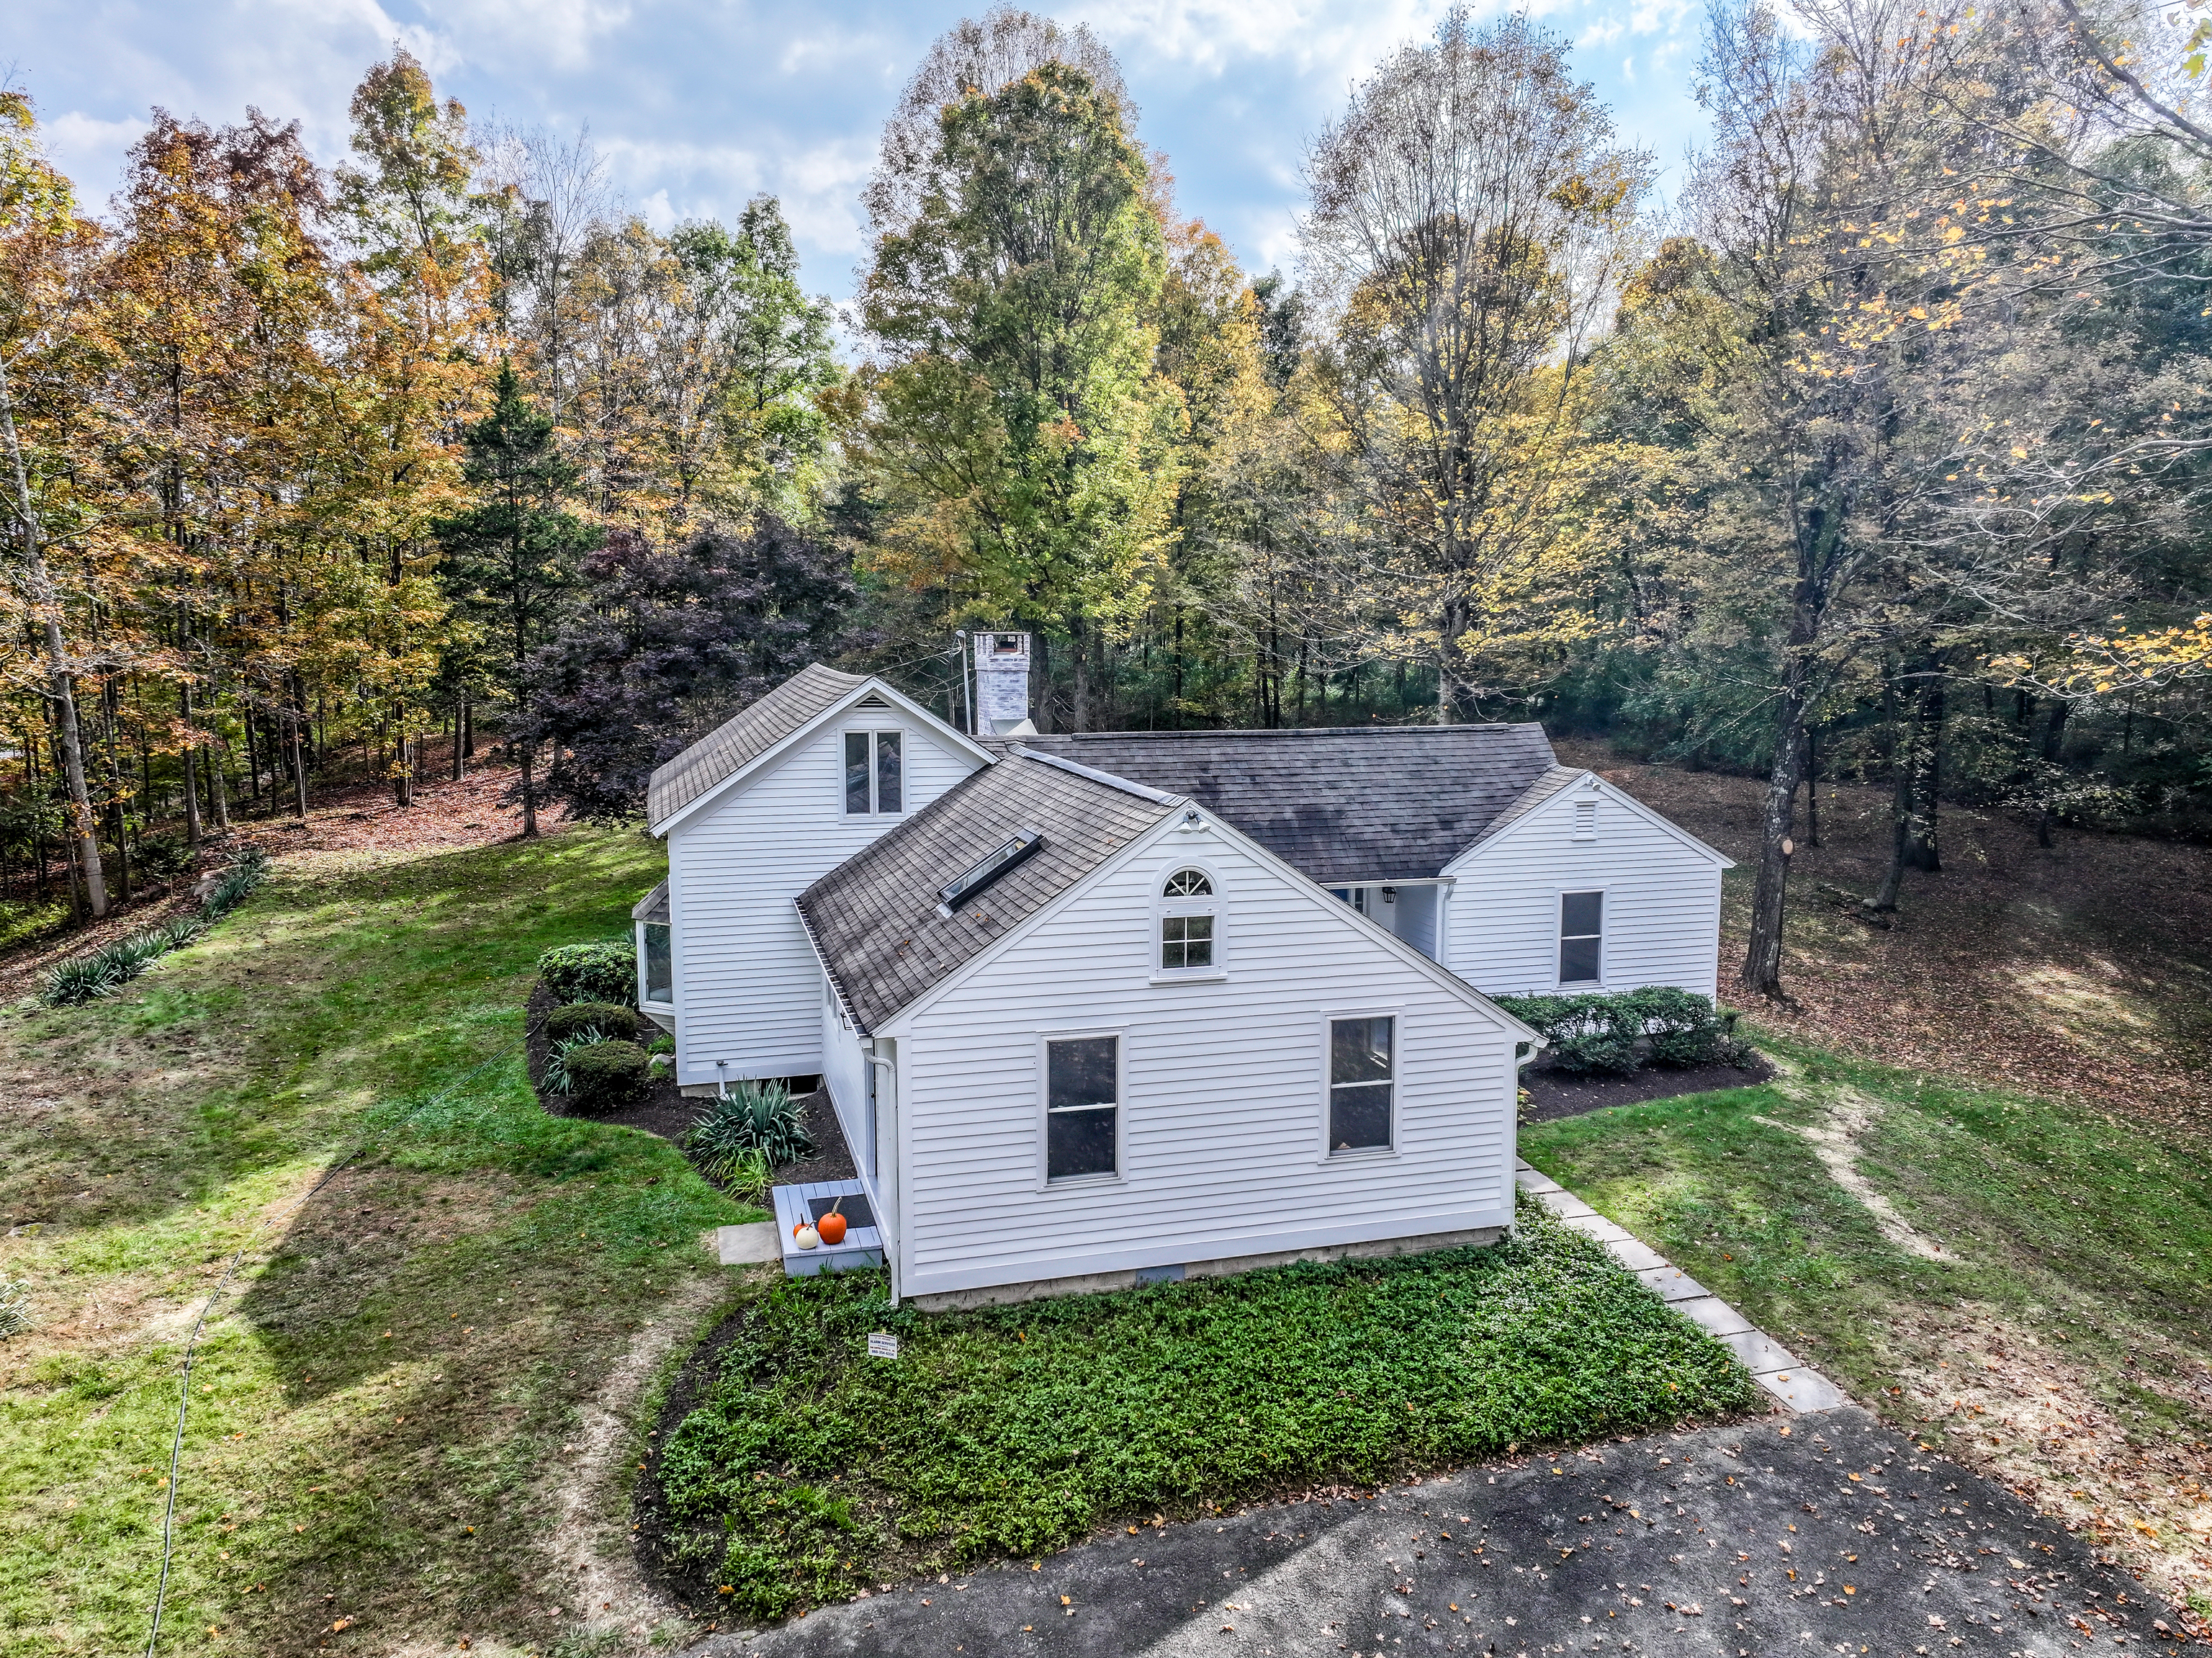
{"type": "Point", "coordinates": [875, 773]}
{"type": "Point", "coordinates": [1582, 937]}
{"type": "Point", "coordinates": [1362, 1073]}
{"type": "Point", "coordinates": [1082, 1107]}
{"type": "Point", "coordinates": [1187, 914]}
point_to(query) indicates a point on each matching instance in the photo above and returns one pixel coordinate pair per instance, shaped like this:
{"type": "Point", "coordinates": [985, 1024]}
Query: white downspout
{"type": "Point", "coordinates": [881, 1056]}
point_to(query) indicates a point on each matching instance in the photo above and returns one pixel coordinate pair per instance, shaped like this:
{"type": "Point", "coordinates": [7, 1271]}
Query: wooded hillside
{"type": "Point", "coordinates": [1877, 455]}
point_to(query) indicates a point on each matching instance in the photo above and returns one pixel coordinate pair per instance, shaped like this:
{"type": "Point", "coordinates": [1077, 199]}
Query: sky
{"type": "Point", "coordinates": [699, 105]}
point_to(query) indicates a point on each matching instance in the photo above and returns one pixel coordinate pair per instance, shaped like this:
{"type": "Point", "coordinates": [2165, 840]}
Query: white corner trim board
{"type": "Point", "coordinates": [1772, 1366]}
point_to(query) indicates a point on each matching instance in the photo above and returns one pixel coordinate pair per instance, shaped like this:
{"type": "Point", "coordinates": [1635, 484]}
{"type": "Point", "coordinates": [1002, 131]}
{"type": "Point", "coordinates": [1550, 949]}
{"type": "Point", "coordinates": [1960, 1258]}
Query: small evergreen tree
{"type": "Point", "coordinates": [511, 560]}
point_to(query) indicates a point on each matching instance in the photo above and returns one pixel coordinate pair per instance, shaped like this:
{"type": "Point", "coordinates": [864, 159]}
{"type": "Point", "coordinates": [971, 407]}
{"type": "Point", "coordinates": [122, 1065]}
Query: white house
{"type": "Point", "coordinates": [1101, 1008]}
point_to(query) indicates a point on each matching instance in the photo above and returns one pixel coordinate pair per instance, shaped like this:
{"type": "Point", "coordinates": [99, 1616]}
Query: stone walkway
{"type": "Point", "coordinates": [1772, 1366]}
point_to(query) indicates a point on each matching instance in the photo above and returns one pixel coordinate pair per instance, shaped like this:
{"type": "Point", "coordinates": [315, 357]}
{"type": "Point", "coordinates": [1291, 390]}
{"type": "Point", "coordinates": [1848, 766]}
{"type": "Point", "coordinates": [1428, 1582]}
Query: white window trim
{"type": "Point", "coordinates": [644, 998]}
{"type": "Point", "coordinates": [906, 772]}
{"type": "Point", "coordinates": [1582, 986]}
{"type": "Point", "coordinates": [1362, 1154]}
{"type": "Point", "coordinates": [1044, 1182]}
{"type": "Point", "coordinates": [1210, 904]}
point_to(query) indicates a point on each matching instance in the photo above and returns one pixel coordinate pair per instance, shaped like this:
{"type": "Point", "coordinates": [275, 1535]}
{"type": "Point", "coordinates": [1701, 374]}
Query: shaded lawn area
{"type": "Point", "coordinates": [2079, 970]}
{"type": "Point", "coordinates": [2023, 1284]}
{"type": "Point", "coordinates": [379, 1401]}
{"type": "Point", "coordinates": [809, 1471]}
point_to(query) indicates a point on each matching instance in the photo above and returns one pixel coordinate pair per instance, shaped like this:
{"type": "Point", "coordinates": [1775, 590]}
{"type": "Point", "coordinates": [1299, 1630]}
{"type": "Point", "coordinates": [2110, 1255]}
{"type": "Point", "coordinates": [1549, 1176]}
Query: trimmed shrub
{"type": "Point", "coordinates": [1686, 1029]}
{"type": "Point", "coordinates": [603, 969]}
{"type": "Point", "coordinates": [613, 1023]}
{"type": "Point", "coordinates": [607, 1075]}
{"type": "Point", "coordinates": [559, 1079]}
{"type": "Point", "coordinates": [1602, 1034]}
{"type": "Point", "coordinates": [757, 1117]}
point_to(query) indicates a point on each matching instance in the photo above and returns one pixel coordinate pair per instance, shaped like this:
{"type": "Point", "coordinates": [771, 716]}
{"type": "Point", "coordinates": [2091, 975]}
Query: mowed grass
{"type": "Point", "coordinates": [379, 1401]}
{"type": "Point", "coordinates": [2023, 1283]}
{"type": "Point", "coordinates": [810, 1470]}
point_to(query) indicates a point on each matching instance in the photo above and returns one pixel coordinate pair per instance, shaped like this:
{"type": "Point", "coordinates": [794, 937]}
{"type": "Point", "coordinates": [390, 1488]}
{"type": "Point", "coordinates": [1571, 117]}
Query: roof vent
{"type": "Point", "coordinates": [871, 701]}
{"type": "Point", "coordinates": [1585, 820]}
{"type": "Point", "coordinates": [1001, 858]}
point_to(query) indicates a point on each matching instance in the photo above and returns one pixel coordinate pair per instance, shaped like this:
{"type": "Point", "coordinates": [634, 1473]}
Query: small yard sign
{"type": "Point", "coordinates": [882, 1344]}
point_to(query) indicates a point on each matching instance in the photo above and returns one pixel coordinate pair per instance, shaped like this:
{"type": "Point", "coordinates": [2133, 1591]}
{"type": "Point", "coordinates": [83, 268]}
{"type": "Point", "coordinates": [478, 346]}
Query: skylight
{"type": "Point", "coordinates": [987, 869]}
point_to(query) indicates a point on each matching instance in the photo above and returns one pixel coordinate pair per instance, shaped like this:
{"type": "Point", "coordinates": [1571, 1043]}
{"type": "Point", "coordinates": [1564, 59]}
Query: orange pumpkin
{"type": "Point", "coordinates": [832, 1226]}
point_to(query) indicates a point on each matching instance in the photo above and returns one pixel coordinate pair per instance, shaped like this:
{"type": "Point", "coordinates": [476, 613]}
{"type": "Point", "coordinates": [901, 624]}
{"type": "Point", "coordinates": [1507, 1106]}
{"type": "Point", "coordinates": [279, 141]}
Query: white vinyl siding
{"type": "Point", "coordinates": [747, 982]}
{"type": "Point", "coordinates": [1662, 907]}
{"type": "Point", "coordinates": [1222, 1090]}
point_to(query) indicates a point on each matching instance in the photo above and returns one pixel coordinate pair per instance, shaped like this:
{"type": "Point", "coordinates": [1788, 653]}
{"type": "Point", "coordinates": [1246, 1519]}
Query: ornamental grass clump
{"type": "Point", "coordinates": [247, 869]}
{"type": "Point", "coordinates": [105, 971]}
{"type": "Point", "coordinates": [15, 1308]}
{"type": "Point", "coordinates": [753, 1119]}
{"type": "Point", "coordinates": [85, 979]}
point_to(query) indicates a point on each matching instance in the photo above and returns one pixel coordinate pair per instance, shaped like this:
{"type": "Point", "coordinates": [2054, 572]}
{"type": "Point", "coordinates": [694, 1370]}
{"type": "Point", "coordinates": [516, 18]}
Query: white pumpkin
{"type": "Point", "coordinates": [806, 1236]}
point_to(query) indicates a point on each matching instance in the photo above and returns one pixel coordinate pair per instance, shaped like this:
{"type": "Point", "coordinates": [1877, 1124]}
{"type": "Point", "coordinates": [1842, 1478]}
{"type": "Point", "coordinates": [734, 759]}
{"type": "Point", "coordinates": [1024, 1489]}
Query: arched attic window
{"type": "Point", "coordinates": [1188, 918]}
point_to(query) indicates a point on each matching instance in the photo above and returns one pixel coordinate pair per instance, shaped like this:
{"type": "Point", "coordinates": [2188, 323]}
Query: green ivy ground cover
{"type": "Point", "coordinates": [809, 1469]}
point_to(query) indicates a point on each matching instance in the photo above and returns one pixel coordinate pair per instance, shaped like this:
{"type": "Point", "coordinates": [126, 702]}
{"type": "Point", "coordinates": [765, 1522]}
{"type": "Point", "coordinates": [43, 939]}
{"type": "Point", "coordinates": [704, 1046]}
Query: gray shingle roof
{"type": "Point", "coordinates": [745, 737]}
{"type": "Point", "coordinates": [1346, 803]}
{"type": "Point", "coordinates": [652, 907]}
{"type": "Point", "coordinates": [1532, 797]}
{"type": "Point", "coordinates": [873, 918]}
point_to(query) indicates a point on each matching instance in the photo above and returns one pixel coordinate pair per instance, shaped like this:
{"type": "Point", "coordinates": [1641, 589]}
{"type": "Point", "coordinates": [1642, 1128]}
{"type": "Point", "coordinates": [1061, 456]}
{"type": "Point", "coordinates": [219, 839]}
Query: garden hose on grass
{"type": "Point", "coordinates": [191, 1346]}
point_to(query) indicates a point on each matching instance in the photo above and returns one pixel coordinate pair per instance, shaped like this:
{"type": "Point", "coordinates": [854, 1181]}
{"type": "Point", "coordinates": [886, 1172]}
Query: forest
{"type": "Point", "coordinates": [1876, 450]}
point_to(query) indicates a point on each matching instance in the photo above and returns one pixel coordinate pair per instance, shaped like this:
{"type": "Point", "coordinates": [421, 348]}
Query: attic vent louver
{"type": "Point", "coordinates": [987, 869]}
{"type": "Point", "coordinates": [871, 701]}
{"type": "Point", "coordinates": [1585, 820]}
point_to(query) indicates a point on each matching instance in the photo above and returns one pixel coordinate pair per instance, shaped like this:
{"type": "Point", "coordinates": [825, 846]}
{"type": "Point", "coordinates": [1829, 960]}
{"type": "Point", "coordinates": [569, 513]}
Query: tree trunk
{"type": "Point", "coordinates": [299, 762]}
{"type": "Point", "coordinates": [1762, 956]}
{"type": "Point", "coordinates": [1928, 712]}
{"type": "Point", "coordinates": [468, 731]}
{"type": "Point", "coordinates": [192, 771]}
{"type": "Point", "coordinates": [63, 689]}
{"type": "Point", "coordinates": [460, 727]}
{"type": "Point", "coordinates": [1812, 789]}
{"type": "Point", "coordinates": [221, 796]}
{"type": "Point", "coordinates": [1078, 646]}
{"type": "Point", "coordinates": [529, 799]}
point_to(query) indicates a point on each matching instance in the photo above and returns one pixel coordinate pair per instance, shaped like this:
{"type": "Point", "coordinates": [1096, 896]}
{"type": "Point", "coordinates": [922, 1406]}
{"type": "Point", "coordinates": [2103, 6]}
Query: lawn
{"type": "Point", "coordinates": [382, 1398]}
{"type": "Point", "coordinates": [809, 1470]}
{"type": "Point", "coordinates": [2024, 1284]}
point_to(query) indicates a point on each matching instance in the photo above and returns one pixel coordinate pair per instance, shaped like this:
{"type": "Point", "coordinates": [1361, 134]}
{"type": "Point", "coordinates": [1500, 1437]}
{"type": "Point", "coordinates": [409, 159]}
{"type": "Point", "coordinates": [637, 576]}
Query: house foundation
{"type": "Point", "coordinates": [1094, 1283]}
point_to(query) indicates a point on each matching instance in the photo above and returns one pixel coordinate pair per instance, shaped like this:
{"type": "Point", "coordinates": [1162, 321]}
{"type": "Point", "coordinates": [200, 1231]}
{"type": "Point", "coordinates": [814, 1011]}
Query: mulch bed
{"type": "Point", "coordinates": [1554, 1094]}
{"type": "Point", "coordinates": [669, 1113]}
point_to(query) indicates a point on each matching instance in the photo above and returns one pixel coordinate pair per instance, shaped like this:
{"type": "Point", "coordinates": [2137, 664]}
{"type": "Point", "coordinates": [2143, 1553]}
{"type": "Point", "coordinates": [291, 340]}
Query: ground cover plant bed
{"type": "Point", "coordinates": [390, 1443]}
{"type": "Point", "coordinates": [2024, 1284]}
{"type": "Point", "coordinates": [796, 1470]}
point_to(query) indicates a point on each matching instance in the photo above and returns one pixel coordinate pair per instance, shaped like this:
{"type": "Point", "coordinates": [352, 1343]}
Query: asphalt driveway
{"type": "Point", "coordinates": [1805, 1535]}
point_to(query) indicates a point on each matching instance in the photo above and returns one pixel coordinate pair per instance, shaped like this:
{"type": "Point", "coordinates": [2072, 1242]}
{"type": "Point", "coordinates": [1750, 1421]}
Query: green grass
{"type": "Point", "coordinates": [2076, 1256]}
{"type": "Point", "coordinates": [379, 1403]}
{"type": "Point", "coordinates": [809, 1469]}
